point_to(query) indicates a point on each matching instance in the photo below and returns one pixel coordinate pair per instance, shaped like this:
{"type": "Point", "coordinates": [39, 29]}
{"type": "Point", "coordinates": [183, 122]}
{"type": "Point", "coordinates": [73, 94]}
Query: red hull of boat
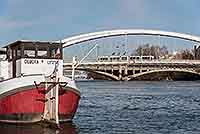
{"type": "Point", "coordinates": [27, 105]}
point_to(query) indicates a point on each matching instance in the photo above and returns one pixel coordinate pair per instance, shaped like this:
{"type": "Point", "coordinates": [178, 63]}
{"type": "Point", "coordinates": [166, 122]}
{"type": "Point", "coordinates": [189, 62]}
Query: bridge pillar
{"type": "Point", "coordinates": [120, 72]}
{"type": "Point", "coordinates": [112, 69]}
{"type": "Point", "coordinates": [133, 71]}
{"type": "Point", "coordinates": [126, 70]}
{"type": "Point", "coordinates": [140, 70]}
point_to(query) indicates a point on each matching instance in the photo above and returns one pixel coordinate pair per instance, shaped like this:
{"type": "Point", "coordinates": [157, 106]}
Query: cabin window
{"type": "Point", "coordinates": [53, 53]}
{"type": "Point", "coordinates": [14, 53]}
{"type": "Point", "coordinates": [42, 53]}
{"type": "Point", "coordinates": [18, 53]}
{"type": "Point", "coordinates": [29, 53]}
{"type": "Point", "coordinates": [10, 54]}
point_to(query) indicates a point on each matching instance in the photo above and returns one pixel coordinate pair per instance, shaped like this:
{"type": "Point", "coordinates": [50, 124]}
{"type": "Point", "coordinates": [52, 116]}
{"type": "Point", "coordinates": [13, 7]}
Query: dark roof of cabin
{"type": "Point", "coordinates": [18, 42]}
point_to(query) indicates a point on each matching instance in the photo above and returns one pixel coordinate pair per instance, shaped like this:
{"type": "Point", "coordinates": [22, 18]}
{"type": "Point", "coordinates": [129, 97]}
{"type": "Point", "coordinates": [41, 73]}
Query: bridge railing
{"type": "Point", "coordinates": [169, 61]}
{"type": "Point", "coordinates": [189, 62]}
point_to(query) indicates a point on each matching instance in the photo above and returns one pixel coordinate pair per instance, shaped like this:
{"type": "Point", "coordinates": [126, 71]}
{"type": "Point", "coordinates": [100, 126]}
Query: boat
{"type": "Point", "coordinates": [32, 85]}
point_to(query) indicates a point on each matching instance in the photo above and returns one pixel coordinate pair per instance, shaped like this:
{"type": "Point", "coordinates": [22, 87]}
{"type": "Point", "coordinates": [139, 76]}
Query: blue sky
{"type": "Point", "coordinates": [56, 19]}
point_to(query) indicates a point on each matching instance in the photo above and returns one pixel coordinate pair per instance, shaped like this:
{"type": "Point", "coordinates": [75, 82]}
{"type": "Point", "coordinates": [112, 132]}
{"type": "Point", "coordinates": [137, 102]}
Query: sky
{"type": "Point", "coordinates": [58, 19]}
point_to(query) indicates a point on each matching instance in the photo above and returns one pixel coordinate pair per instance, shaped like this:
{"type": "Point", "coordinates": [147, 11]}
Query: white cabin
{"type": "Point", "coordinates": [23, 58]}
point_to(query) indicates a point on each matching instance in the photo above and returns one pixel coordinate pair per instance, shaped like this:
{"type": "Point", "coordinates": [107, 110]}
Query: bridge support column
{"type": "Point", "coordinates": [140, 70]}
{"type": "Point", "coordinates": [126, 70]}
{"type": "Point", "coordinates": [120, 72]}
{"type": "Point", "coordinates": [125, 73]}
{"type": "Point", "coordinates": [112, 70]}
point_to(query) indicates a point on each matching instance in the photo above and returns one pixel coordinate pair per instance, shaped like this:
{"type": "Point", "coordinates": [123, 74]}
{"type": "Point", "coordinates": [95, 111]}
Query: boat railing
{"type": "Point", "coordinates": [22, 75]}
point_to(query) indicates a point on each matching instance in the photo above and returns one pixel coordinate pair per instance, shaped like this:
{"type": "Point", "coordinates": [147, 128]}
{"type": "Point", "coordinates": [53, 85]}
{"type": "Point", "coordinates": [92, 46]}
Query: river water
{"type": "Point", "coordinates": [137, 107]}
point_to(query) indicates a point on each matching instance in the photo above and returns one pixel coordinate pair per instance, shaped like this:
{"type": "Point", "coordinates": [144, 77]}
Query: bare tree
{"type": "Point", "coordinates": [187, 54]}
{"type": "Point", "coordinates": [152, 50]}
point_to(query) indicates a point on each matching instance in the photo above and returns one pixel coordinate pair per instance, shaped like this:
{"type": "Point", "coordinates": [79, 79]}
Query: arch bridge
{"type": "Point", "coordinates": [141, 70]}
{"type": "Point", "coordinates": [136, 70]}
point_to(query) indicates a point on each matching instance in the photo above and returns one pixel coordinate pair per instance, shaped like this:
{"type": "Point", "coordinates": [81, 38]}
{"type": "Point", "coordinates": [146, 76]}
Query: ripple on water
{"type": "Point", "coordinates": [141, 107]}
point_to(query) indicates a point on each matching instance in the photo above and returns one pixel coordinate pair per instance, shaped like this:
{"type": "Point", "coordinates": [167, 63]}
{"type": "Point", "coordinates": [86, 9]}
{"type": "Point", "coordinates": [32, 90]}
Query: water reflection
{"type": "Point", "coordinates": [67, 128]}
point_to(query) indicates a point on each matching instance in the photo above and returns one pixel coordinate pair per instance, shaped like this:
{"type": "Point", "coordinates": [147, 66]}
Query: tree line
{"type": "Point", "coordinates": [162, 52]}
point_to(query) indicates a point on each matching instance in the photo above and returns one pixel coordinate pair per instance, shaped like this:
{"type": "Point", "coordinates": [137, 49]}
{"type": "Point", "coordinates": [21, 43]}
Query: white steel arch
{"type": "Point", "coordinates": [103, 34]}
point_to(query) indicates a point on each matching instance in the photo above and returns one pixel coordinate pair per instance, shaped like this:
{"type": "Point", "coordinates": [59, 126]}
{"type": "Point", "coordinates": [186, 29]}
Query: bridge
{"type": "Point", "coordinates": [137, 69]}
{"type": "Point", "coordinates": [141, 70]}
